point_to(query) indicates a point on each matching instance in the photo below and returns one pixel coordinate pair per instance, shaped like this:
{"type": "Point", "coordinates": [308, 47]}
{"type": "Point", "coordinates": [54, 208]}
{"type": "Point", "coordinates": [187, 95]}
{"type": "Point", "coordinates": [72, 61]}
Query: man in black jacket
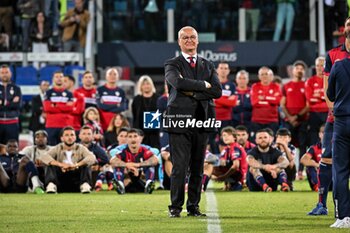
{"type": "Point", "coordinates": [190, 115]}
{"type": "Point", "coordinates": [10, 104]}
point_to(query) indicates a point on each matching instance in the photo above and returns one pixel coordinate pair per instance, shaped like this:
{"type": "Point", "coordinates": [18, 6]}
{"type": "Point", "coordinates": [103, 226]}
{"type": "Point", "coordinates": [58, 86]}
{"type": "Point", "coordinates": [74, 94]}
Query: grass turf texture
{"type": "Point", "coordinates": [109, 212]}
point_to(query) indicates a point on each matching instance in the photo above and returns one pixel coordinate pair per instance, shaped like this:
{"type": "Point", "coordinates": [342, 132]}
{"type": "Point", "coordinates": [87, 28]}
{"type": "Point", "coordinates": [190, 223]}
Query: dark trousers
{"type": "Point", "coordinates": [341, 167]}
{"type": "Point", "coordinates": [316, 119]}
{"type": "Point", "coordinates": [187, 156]}
{"type": "Point", "coordinates": [327, 140]}
{"type": "Point", "coordinates": [53, 136]}
{"type": "Point", "coordinates": [68, 181]}
{"type": "Point", "coordinates": [8, 131]}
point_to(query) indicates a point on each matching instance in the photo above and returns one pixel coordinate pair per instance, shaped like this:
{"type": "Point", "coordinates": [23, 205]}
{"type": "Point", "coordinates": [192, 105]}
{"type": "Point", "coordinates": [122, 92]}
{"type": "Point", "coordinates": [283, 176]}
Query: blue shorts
{"type": "Point", "coordinates": [327, 140]}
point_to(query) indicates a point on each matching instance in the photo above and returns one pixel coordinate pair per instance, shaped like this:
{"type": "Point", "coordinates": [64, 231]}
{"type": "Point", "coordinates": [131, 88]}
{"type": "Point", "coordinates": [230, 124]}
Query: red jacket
{"type": "Point", "coordinates": [315, 94]}
{"type": "Point", "coordinates": [265, 110]}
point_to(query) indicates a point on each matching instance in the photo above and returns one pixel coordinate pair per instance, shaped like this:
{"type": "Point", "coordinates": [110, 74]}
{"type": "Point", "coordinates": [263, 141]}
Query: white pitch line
{"type": "Point", "coordinates": [212, 211]}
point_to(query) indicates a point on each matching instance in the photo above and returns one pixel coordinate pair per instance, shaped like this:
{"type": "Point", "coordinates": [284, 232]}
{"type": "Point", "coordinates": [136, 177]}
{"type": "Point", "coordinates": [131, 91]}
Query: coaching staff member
{"type": "Point", "coordinates": [192, 83]}
{"type": "Point", "coordinates": [339, 93]}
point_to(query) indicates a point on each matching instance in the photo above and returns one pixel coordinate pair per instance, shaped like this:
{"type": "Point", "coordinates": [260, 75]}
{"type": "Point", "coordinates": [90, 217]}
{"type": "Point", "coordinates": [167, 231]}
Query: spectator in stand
{"type": "Point", "coordinates": [283, 139]}
{"type": "Point", "coordinates": [52, 12]}
{"type": "Point", "coordinates": [68, 165]}
{"type": "Point", "coordinates": [10, 105]}
{"type": "Point", "coordinates": [145, 101]}
{"type": "Point", "coordinates": [88, 89]}
{"type": "Point", "coordinates": [15, 169]}
{"type": "Point", "coordinates": [242, 113]}
{"type": "Point", "coordinates": [232, 164]}
{"type": "Point", "coordinates": [6, 16]}
{"type": "Point", "coordinates": [78, 100]}
{"type": "Point", "coordinates": [28, 10]}
{"type": "Point", "coordinates": [162, 102]}
{"type": "Point", "coordinates": [35, 152]}
{"type": "Point", "coordinates": [285, 13]}
{"type": "Point", "coordinates": [265, 99]}
{"type": "Point", "coordinates": [252, 8]}
{"type": "Point", "coordinates": [91, 118]}
{"type": "Point", "coordinates": [242, 135]}
{"type": "Point", "coordinates": [134, 161]}
{"type": "Point", "coordinates": [311, 160]}
{"type": "Point", "coordinates": [110, 98]}
{"type": "Point", "coordinates": [40, 33]}
{"type": "Point", "coordinates": [118, 122]}
{"type": "Point", "coordinates": [38, 118]}
{"type": "Point", "coordinates": [295, 109]}
{"type": "Point", "coordinates": [266, 165]}
{"type": "Point", "coordinates": [74, 27]}
{"type": "Point", "coordinates": [316, 101]}
{"type": "Point", "coordinates": [58, 107]}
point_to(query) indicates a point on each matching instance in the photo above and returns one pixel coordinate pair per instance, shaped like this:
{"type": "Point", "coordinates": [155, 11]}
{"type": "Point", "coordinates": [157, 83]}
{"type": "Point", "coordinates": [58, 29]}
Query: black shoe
{"type": "Point", "coordinates": [195, 213]}
{"type": "Point", "coordinates": [174, 213]}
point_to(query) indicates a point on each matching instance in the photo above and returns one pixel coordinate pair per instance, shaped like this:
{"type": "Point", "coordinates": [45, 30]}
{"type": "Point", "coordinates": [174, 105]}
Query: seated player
{"type": "Point", "coordinates": [232, 163]}
{"type": "Point", "coordinates": [311, 160]}
{"type": "Point", "coordinates": [283, 139]}
{"type": "Point", "coordinates": [15, 169]}
{"type": "Point", "coordinates": [266, 165]}
{"type": "Point", "coordinates": [132, 164]}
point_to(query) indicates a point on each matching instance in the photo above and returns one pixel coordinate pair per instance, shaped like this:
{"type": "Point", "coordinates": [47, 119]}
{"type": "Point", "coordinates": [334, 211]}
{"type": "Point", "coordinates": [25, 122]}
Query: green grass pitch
{"type": "Point", "coordinates": [109, 212]}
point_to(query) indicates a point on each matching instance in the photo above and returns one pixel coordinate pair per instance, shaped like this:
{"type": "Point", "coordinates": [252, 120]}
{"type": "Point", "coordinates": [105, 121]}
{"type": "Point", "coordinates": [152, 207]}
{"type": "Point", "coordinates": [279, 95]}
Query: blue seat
{"type": "Point", "coordinates": [46, 73]}
{"type": "Point", "coordinates": [27, 79]}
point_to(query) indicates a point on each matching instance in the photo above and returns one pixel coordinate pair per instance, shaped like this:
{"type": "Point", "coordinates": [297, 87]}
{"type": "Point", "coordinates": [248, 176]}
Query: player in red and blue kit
{"type": "Point", "coordinates": [325, 172]}
{"type": "Point", "coordinates": [88, 90]}
{"type": "Point", "coordinates": [10, 104]}
{"type": "Point", "coordinates": [311, 159]}
{"type": "Point", "coordinates": [232, 165]}
{"type": "Point", "coordinates": [265, 99]}
{"type": "Point", "coordinates": [133, 162]}
{"type": "Point", "coordinates": [110, 98]}
{"type": "Point", "coordinates": [316, 100]}
{"type": "Point", "coordinates": [242, 113]}
{"type": "Point", "coordinates": [58, 106]}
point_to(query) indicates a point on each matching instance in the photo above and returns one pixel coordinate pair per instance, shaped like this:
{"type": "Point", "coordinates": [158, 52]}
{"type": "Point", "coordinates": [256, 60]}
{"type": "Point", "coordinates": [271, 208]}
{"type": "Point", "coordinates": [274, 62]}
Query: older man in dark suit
{"type": "Point", "coordinates": [190, 115]}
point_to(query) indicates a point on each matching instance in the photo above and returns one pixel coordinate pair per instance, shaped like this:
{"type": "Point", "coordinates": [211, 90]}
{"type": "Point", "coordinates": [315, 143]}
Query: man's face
{"type": "Point", "coordinates": [242, 137]}
{"type": "Point", "coordinates": [133, 140]}
{"type": "Point", "coordinates": [319, 66]}
{"type": "Point", "coordinates": [227, 138]}
{"type": "Point", "coordinates": [68, 84]}
{"type": "Point", "coordinates": [283, 138]}
{"type": "Point", "coordinates": [68, 137]}
{"type": "Point", "coordinates": [264, 76]}
{"type": "Point", "coordinates": [58, 79]}
{"type": "Point", "coordinates": [223, 70]}
{"type": "Point", "coordinates": [122, 137]}
{"type": "Point", "coordinates": [242, 80]}
{"type": "Point", "coordinates": [40, 140]}
{"type": "Point", "coordinates": [347, 29]}
{"type": "Point", "coordinates": [12, 148]}
{"type": "Point", "coordinates": [188, 40]}
{"type": "Point", "coordinates": [44, 86]}
{"type": "Point", "coordinates": [5, 74]}
{"type": "Point", "coordinates": [88, 80]}
{"type": "Point", "coordinates": [112, 76]}
{"type": "Point", "coordinates": [263, 139]}
{"type": "Point", "coordinates": [86, 136]}
{"type": "Point", "coordinates": [298, 71]}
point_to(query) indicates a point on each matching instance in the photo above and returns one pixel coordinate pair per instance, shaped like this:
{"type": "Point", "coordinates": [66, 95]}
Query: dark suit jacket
{"type": "Point", "coordinates": [188, 96]}
{"type": "Point", "coordinates": [37, 109]}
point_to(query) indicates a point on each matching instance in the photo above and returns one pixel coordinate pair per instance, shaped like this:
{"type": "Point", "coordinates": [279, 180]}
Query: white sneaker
{"type": "Point", "coordinates": [345, 223]}
{"type": "Point", "coordinates": [149, 187]}
{"type": "Point", "coordinates": [336, 223]}
{"type": "Point", "coordinates": [51, 188]}
{"type": "Point", "coordinates": [85, 188]}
